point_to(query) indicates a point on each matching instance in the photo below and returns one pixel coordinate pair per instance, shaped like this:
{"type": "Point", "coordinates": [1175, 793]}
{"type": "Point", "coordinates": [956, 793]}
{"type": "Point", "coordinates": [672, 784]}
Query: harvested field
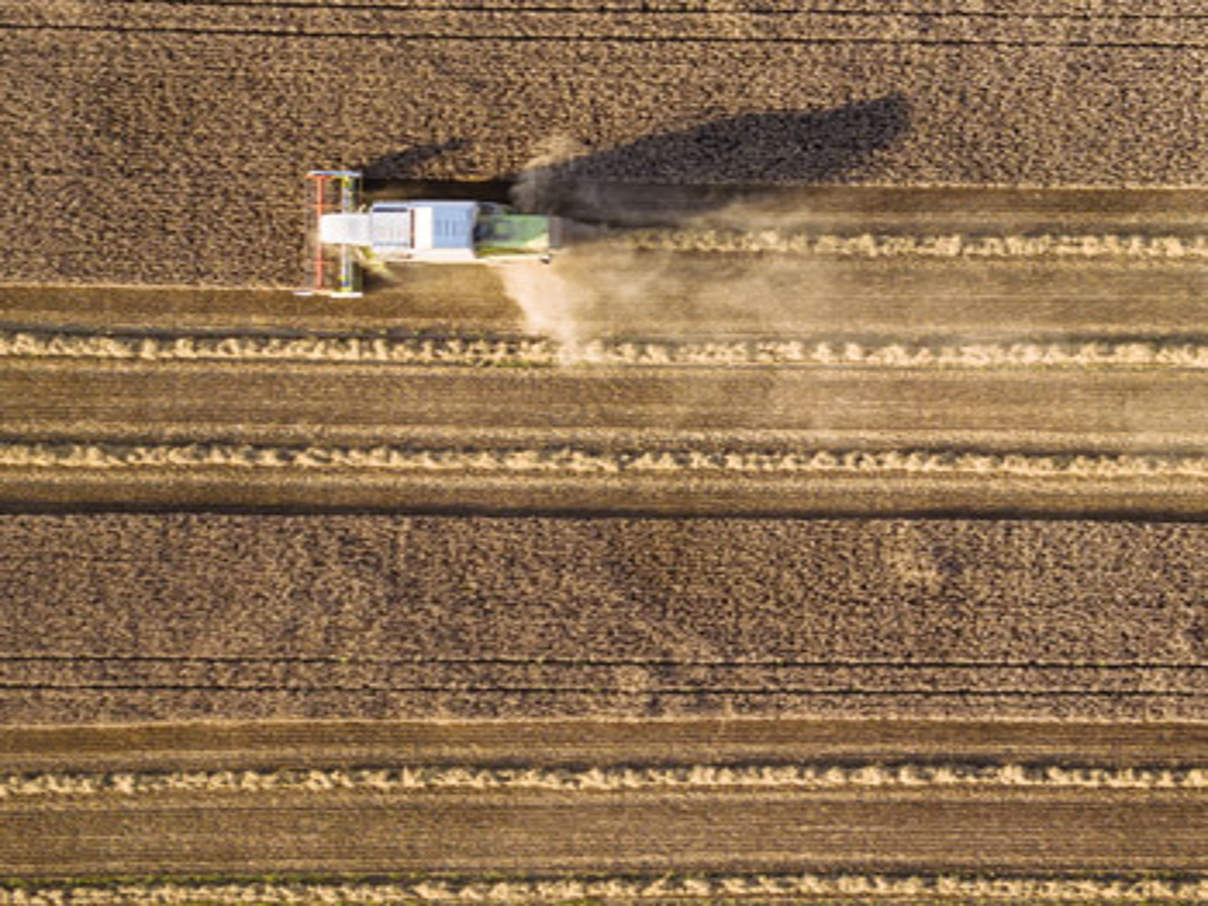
{"type": "Point", "coordinates": [887, 385]}
{"type": "Point", "coordinates": [886, 820]}
{"type": "Point", "coordinates": [852, 380]}
{"type": "Point", "coordinates": [257, 432]}
{"type": "Point", "coordinates": [1005, 410]}
{"type": "Point", "coordinates": [460, 833]}
{"type": "Point", "coordinates": [683, 300]}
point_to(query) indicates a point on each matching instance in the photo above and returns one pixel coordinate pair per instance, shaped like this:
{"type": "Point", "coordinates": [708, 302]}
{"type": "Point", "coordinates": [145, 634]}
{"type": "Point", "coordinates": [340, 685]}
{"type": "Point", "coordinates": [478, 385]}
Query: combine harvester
{"type": "Point", "coordinates": [344, 236]}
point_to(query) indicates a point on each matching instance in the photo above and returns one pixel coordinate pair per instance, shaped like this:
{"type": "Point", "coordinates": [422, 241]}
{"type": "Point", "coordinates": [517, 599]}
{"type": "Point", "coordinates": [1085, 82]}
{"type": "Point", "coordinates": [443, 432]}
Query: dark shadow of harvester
{"type": "Point", "coordinates": [776, 147]}
{"type": "Point", "coordinates": [665, 178]}
{"type": "Point", "coordinates": [765, 157]}
{"type": "Point", "coordinates": [402, 164]}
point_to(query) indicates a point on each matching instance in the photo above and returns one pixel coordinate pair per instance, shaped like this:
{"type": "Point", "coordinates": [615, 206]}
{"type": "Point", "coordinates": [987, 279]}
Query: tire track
{"type": "Point", "coordinates": [589, 6]}
{"type": "Point", "coordinates": [614, 39]}
{"type": "Point", "coordinates": [650, 679]}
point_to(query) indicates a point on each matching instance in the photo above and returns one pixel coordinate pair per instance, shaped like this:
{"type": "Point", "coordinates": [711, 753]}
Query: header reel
{"type": "Point", "coordinates": [331, 270]}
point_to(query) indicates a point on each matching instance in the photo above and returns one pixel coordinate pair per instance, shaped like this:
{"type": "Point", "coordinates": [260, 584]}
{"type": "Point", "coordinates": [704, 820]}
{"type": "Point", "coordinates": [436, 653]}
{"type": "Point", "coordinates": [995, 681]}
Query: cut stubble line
{"type": "Point", "coordinates": [695, 887]}
{"type": "Point", "coordinates": [582, 461]}
{"type": "Point", "coordinates": [519, 351]}
{"type": "Point", "coordinates": [603, 778]}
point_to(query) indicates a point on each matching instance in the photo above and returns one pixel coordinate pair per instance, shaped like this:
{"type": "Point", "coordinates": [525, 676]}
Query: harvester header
{"type": "Point", "coordinates": [344, 236]}
{"type": "Point", "coordinates": [331, 268]}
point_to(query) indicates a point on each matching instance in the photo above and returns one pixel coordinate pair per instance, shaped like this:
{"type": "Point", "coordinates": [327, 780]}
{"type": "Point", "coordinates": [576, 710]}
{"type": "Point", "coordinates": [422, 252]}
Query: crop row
{"type": "Point", "coordinates": [582, 460]}
{"type": "Point", "coordinates": [1189, 888]}
{"type": "Point", "coordinates": [537, 351]}
{"type": "Point", "coordinates": [1130, 247]}
{"type": "Point", "coordinates": [402, 779]}
{"type": "Point", "coordinates": [533, 20]}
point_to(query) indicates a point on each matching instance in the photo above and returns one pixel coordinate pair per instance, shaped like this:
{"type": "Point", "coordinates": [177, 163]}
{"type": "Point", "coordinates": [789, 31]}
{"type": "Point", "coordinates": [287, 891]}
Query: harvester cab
{"type": "Point", "coordinates": [344, 236]}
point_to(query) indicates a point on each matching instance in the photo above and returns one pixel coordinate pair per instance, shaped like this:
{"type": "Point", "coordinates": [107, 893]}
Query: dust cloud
{"type": "Point", "coordinates": [602, 290]}
{"type": "Point", "coordinates": [600, 285]}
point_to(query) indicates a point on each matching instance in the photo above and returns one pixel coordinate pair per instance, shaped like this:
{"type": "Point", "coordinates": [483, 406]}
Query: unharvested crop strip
{"type": "Point", "coordinates": [621, 887]}
{"type": "Point", "coordinates": [585, 461]}
{"type": "Point", "coordinates": [604, 779]}
{"type": "Point", "coordinates": [1124, 247]}
{"type": "Point", "coordinates": [524, 351]}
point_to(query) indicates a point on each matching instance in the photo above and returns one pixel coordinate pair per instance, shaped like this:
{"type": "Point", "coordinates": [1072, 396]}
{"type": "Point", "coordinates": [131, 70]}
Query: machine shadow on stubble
{"type": "Point", "coordinates": [668, 177]}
